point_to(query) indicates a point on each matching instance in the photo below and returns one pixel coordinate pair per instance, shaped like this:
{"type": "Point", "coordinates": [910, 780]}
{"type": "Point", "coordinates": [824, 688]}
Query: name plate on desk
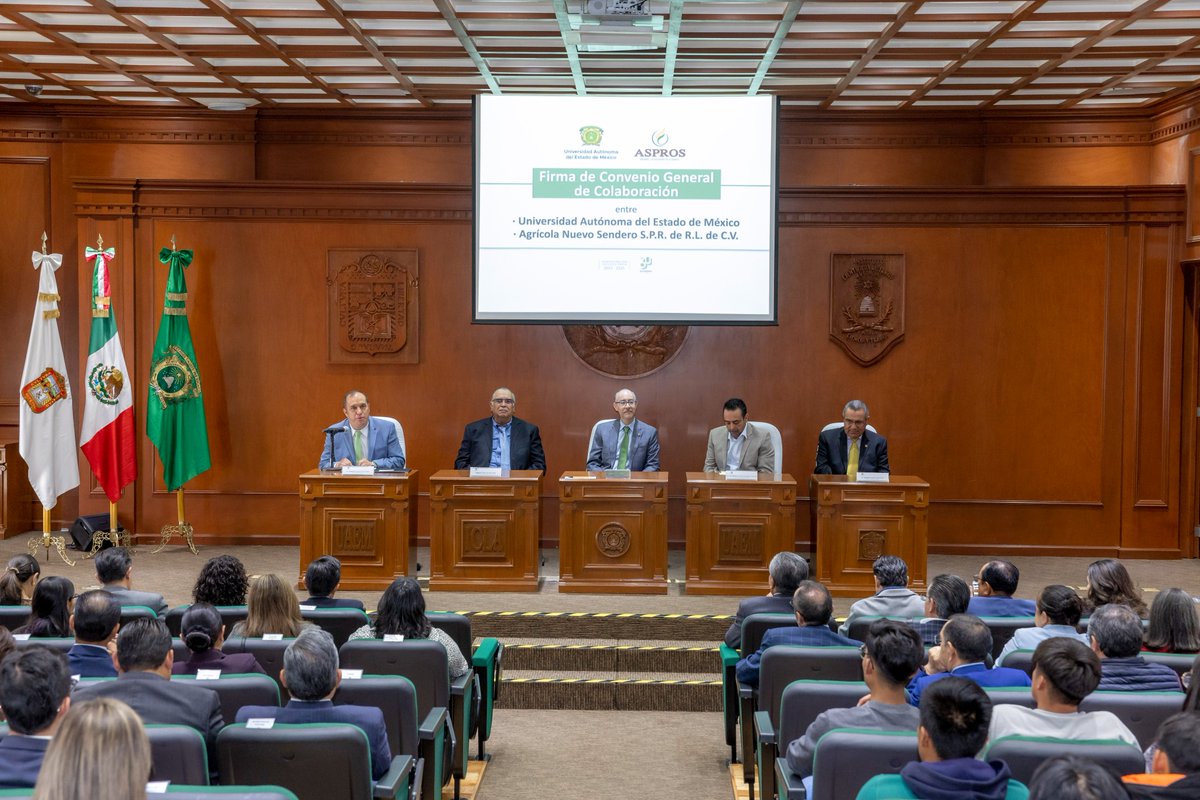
{"type": "Point", "coordinates": [487, 472]}
{"type": "Point", "coordinates": [873, 477]}
{"type": "Point", "coordinates": [367, 470]}
{"type": "Point", "coordinates": [617, 473]}
{"type": "Point", "coordinates": [740, 474]}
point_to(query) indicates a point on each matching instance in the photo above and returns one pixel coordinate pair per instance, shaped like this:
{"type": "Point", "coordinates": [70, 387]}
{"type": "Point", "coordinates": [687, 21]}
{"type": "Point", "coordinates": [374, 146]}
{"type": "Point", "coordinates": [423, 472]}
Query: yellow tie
{"type": "Point", "coordinates": [852, 467]}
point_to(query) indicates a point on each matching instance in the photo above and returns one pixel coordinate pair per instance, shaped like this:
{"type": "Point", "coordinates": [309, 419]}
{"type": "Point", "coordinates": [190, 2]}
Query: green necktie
{"type": "Point", "coordinates": [623, 451]}
{"type": "Point", "coordinates": [358, 447]}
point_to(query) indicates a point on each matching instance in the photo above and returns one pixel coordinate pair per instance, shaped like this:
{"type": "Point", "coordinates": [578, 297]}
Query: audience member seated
{"type": "Point", "coordinates": [783, 576]}
{"type": "Point", "coordinates": [1058, 612]}
{"type": "Point", "coordinates": [813, 607]}
{"type": "Point", "coordinates": [962, 649]}
{"type": "Point", "coordinates": [114, 569]}
{"type": "Point", "coordinates": [50, 609]}
{"type": "Point", "coordinates": [96, 620]}
{"type": "Point", "coordinates": [892, 596]}
{"type": "Point", "coordinates": [892, 655]}
{"type": "Point", "coordinates": [1174, 624]}
{"type": "Point", "coordinates": [35, 690]}
{"type": "Point", "coordinates": [144, 661]}
{"type": "Point", "coordinates": [1109, 584]}
{"type": "Point", "coordinates": [7, 643]}
{"type": "Point", "coordinates": [1064, 672]}
{"type": "Point", "coordinates": [946, 596]}
{"type": "Point", "coordinates": [1074, 778]}
{"type": "Point", "coordinates": [322, 579]}
{"type": "Point", "coordinates": [222, 582]}
{"type": "Point", "coordinates": [1116, 634]}
{"type": "Point", "coordinates": [310, 673]}
{"type": "Point", "coordinates": [20, 577]}
{"type": "Point", "coordinates": [203, 633]}
{"type": "Point", "coordinates": [997, 585]}
{"type": "Point", "coordinates": [271, 607]}
{"type": "Point", "coordinates": [100, 753]}
{"type": "Point", "coordinates": [1175, 769]}
{"type": "Point", "coordinates": [402, 613]}
{"type": "Point", "coordinates": [955, 714]}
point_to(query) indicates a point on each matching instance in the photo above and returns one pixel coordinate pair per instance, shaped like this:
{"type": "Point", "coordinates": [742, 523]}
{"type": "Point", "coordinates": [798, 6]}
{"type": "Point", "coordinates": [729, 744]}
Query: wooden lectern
{"type": "Point", "coordinates": [612, 533]}
{"type": "Point", "coordinates": [734, 529]}
{"type": "Point", "coordinates": [856, 522]}
{"type": "Point", "coordinates": [365, 521]}
{"type": "Point", "coordinates": [483, 532]}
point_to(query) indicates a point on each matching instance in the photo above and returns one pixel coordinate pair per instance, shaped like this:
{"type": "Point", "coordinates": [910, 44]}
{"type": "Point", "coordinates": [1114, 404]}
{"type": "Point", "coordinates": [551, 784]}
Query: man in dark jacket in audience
{"type": "Point", "coordinates": [96, 619]}
{"type": "Point", "coordinates": [35, 695]}
{"type": "Point", "coordinates": [1116, 635]}
{"type": "Point", "coordinates": [783, 576]}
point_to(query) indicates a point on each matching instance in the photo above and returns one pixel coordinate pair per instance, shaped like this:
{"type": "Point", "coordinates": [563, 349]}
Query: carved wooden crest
{"type": "Point", "coordinates": [866, 303]}
{"type": "Point", "coordinates": [372, 306]}
{"type": "Point", "coordinates": [625, 351]}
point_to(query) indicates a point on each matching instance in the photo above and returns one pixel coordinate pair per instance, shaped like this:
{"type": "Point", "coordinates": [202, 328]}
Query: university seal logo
{"type": "Point", "coordinates": [45, 390]}
{"type": "Point", "coordinates": [591, 134]}
{"type": "Point", "coordinates": [175, 378]}
{"type": "Point", "coordinates": [866, 303]}
{"type": "Point", "coordinates": [105, 383]}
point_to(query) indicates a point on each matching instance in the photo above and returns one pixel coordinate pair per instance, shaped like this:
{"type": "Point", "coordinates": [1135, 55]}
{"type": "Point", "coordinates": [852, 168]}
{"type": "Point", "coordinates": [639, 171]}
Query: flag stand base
{"type": "Point", "coordinates": [183, 529]}
{"type": "Point", "coordinates": [100, 537]}
{"type": "Point", "coordinates": [47, 541]}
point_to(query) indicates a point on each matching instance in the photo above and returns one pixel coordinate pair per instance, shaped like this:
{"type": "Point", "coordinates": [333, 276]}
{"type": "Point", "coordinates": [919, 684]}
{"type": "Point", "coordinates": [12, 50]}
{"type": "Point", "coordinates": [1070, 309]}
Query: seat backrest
{"type": "Point", "coordinates": [1003, 628]}
{"type": "Point", "coordinates": [54, 643]}
{"type": "Point", "coordinates": [860, 625]}
{"type": "Point", "coordinates": [457, 627]}
{"type": "Point", "coordinates": [226, 793]}
{"type": "Point", "coordinates": [755, 625]}
{"type": "Point", "coordinates": [177, 754]}
{"type": "Point", "coordinates": [1142, 712]}
{"type": "Point", "coordinates": [846, 758]}
{"type": "Point", "coordinates": [785, 663]}
{"type": "Point", "coordinates": [230, 616]}
{"type": "Point", "coordinates": [1016, 695]}
{"type": "Point", "coordinates": [592, 436]}
{"type": "Point", "coordinates": [422, 661]}
{"type": "Point", "coordinates": [1020, 659]}
{"type": "Point", "coordinates": [804, 700]}
{"type": "Point", "coordinates": [833, 425]}
{"type": "Point", "coordinates": [399, 430]}
{"type": "Point", "coordinates": [13, 617]}
{"type": "Point", "coordinates": [236, 690]}
{"type": "Point", "coordinates": [317, 761]}
{"type": "Point", "coordinates": [174, 619]}
{"type": "Point", "coordinates": [268, 653]}
{"type": "Point", "coordinates": [396, 697]}
{"type": "Point", "coordinates": [1180, 662]}
{"type": "Point", "coordinates": [339, 622]}
{"type": "Point", "coordinates": [776, 443]}
{"type": "Point", "coordinates": [130, 613]}
{"type": "Point", "coordinates": [1024, 754]}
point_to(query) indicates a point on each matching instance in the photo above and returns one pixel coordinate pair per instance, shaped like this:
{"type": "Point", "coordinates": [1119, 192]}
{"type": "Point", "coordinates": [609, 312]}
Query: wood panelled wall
{"type": "Point", "coordinates": [1040, 387]}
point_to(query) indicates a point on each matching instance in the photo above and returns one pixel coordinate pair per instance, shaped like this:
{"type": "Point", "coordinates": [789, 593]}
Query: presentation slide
{"type": "Point", "coordinates": [648, 210]}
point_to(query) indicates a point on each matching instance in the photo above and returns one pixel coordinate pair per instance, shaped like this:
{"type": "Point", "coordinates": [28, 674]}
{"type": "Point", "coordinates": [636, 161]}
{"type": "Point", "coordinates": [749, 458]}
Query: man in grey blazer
{"type": "Point", "coordinates": [641, 448]}
{"type": "Point", "coordinates": [739, 445]}
{"type": "Point", "coordinates": [113, 567]}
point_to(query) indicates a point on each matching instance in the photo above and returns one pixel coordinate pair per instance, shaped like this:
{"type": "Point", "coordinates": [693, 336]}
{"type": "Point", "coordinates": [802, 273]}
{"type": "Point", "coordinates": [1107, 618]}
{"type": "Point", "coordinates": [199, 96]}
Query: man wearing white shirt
{"type": "Point", "coordinates": [361, 441]}
{"type": "Point", "coordinates": [739, 445]}
{"type": "Point", "coordinates": [626, 442]}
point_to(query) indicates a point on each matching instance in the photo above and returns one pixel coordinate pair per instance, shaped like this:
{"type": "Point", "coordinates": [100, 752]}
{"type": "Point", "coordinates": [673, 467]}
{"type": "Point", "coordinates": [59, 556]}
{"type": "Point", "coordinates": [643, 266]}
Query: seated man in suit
{"type": "Point", "coordinates": [1064, 672]}
{"type": "Point", "coordinates": [322, 579]}
{"type": "Point", "coordinates": [144, 661]}
{"type": "Point", "coordinates": [35, 690]}
{"type": "Point", "coordinates": [962, 649]}
{"type": "Point", "coordinates": [1116, 634]}
{"type": "Point", "coordinates": [1058, 611]}
{"type": "Point", "coordinates": [997, 582]}
{"type": "Point", "coordinates": [114, 568]}
{"type": "Point", "coordinates": [738, 445]}
{"type": "Point", "coordinates": [892, 596]}
{"type": "Point", "coordinates": [310, 673]}
{"type": "Point", "coordinates": [813, 607]}
{"type": "Point", "coordinates": [955, 714]}
{"type": "Point", "coordinates": [625, 443]}
{"type": "Point", "coordinates": [501, 440]}
{"type": "Point", "coordinates": [784, 574]}
{"type": "Point", "coordinates": [96, 619]}
{"type": "Point", "coordinates": [360, 441]}
{"type": "Point", "coordinates": [851, 449]}
{"type": "Point", "coordinates": [1175, 767]}
{"type": "Point", "coordinates": [946, 596]}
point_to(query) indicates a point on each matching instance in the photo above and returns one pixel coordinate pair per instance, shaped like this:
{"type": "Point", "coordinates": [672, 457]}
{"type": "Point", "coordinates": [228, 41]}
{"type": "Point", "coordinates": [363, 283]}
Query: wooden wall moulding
{"type": "Point", "coordinates": [866, 303]}
{"type": "Point", "coordinates": [373, 310]}
{"type": "Point", "coordinates": [625, 351]}
{"type": "Point", "coordinates": [1192, 231]}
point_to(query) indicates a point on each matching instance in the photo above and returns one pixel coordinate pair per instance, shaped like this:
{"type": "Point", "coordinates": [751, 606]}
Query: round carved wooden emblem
{"type": "Point", "coordinates": [613, 540]}
{"type": "Point", "coordinates": [625, 351]}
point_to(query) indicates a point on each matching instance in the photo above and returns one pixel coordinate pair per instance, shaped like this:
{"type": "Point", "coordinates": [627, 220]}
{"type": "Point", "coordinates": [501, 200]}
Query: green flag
{"type": "Point", "coordinates": [175, 411]}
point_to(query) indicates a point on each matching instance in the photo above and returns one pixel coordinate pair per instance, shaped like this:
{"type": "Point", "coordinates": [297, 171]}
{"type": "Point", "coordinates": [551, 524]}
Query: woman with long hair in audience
{"type": "Point", "coordinates": [99, 752]}
{"type": "Point", "coordinates": [1174, 624]}
{"type": "Point", "coordinates": [222, 582]}
{"type": "Point", "coordinates": [271, 607]}
{"type": "Point", "coordinates": [50, 609]}
{"type": "Point", "coordinates": [19, 579]}
{"type": "Point", "coordinates": [402, 612]}
{"type": "Point", "coordinates": [1109, 582]}
{"type": "Point", "coordinates": [203, 633]}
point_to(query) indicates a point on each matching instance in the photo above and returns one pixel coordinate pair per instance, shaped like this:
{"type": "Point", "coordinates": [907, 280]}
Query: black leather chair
{"type": "Point", "coordinates": [54, 643]}
{"type": "Point", "coordinates": [317, 761]}
{"type": "Point", "coordinates": [859, 627]}
{"type": "Point", "coordinates": [1024, 754]}
{"type": "Point", "coordinates": [1003, 628]}
{"type": "Point", "coordinates": [340, 622]}
{"type": "Point", "coordinates": [1020, 659]}
{"type": "Point", "coordinates": [1142, 712]}
{"type": "Point", "coordinates": [753, 628]}
{"type": "Point", "coordinates": [227, 793]}
{"type": "Point", "coordinates": [13, 617]}
{"type": "Point", "coordinates": [230, 616]}
{"type": "Point", "coordinates": [130, 613]}
{"type": "Point", "coordinates": [846, 758]}
{"type": "Point", "coordinates": [1180, 662]}
{"type": "Point", "coordinates": [268, 652]}
{"type": "Point", "coordinates": [487, 659]}
{"type": "Point", "coordinates": [237, 690]}
{"type": "Point", "coordinates": [1010, 694]}
{"type": "Point", "coordinates": [177, 754]}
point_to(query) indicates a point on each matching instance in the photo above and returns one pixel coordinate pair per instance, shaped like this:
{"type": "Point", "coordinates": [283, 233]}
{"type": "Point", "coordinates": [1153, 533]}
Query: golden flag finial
{"type": "Point", "coordinates": [173, 247]}
{"type": "Point", "coordinates": [99, 242]}
{"type": "Point", "coordinates": [44, 239]}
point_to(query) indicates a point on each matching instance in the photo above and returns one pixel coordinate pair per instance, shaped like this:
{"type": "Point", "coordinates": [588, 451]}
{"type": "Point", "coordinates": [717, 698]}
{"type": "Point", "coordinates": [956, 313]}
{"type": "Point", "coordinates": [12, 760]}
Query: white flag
{"type": "Point", "coordinates": [47, 419]}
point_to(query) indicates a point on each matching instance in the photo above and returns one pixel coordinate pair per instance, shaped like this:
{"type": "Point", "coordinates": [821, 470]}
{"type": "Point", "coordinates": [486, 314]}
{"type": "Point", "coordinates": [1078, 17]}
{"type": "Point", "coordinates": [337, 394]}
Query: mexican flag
{"type": "Point", "coordinates": [175, 408]}
{"type": "Point", "coordinates": [47, 420]}
{"type": "Point", "coordinates": [107, 434]}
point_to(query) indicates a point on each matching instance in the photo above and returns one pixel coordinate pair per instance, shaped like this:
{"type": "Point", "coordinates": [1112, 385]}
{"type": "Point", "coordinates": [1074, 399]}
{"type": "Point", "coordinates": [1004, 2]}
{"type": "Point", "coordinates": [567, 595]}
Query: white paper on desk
{"type": "Point", "coordinates": [740, 474]}
{"type": "Point", "coordinates": [487, 472]}
{"type": "Point", "coordinates": [873, 477]}
{"type": "Point", "coordinates": [579, 477]}
{"type": "Point", "coordinates": [369, 469]}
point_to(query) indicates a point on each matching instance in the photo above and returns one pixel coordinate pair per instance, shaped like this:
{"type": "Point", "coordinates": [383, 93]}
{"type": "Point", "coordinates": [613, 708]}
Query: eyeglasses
{"type": "Point", "coordinates": [855, 423]}
{"type": "Point", "coordinates": [626, 402]}
{"type": "Point", "coordinates": [862, 651]}
{"type": "Point", "coordinates": [503, 401]}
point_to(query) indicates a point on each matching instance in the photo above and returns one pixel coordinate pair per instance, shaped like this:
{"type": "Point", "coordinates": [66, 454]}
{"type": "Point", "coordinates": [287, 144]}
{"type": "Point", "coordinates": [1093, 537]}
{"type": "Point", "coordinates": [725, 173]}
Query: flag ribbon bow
{"type": "Point", "coordinates": [101, 289]}
{"type": "Point", "coordinates": [55, 260]}
{"type": "Point", "coordinates": [181, 257]}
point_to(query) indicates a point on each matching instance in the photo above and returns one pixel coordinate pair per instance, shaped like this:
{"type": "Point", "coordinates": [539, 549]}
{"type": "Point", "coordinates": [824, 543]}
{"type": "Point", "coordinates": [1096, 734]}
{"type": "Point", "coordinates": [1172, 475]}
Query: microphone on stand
{"type": "Point", "coordinates": [330, 431]}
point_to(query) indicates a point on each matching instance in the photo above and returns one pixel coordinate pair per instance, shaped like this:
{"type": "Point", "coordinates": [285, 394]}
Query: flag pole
{"type": "Point", "coordinates": [46, 540]}
{"type": "Point", "coordinates": [182, 527]}
{"type": "Point", "coordinates": [111, 535]}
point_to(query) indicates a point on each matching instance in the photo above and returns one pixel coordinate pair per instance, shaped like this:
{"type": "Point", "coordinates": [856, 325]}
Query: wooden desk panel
{"type": "Point", "coordinates": [483, 532]}
{"type": "Point", "coordinates": [734, 529]}
{"type": "Point", "coordinates": [612, 535]}
{"type": "Point", "coordinates": [365, 521]}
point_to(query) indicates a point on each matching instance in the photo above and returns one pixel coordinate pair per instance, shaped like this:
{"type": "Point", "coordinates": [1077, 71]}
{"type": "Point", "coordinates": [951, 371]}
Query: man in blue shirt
{"type": "Point", "coordinates": [501, 440]}
{"type": "Point", "coordinates": [963, 645]}
{"type": "Point", "coordinates": [997, 582]}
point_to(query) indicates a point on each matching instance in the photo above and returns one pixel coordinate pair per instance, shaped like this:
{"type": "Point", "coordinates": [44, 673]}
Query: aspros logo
{"type": "Point", "coordinates": [660, 140]}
